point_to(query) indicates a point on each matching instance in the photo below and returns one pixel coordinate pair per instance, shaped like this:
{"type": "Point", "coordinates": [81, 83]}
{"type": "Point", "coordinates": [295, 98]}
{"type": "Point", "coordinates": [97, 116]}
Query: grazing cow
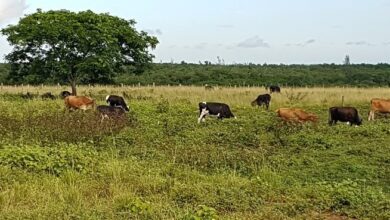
{"type": "Point", "coordinates": [79, 102]}
{"type": "Point", "coordinates": [295, 115]}
{"type": "Point", "coordinates": [118, 101]}
{"type": "Point", "coordinates": [344, 114]}
{"type": "Point", "coordinates": [378, 105]}
{"type": "Point", "coordinates": [221, 110]}
{"type": "Point", "coordinates": [48, 95]}
{"type": "Point", "coordinates": [64, 94]}
{"type": "Point", "coordinates": [275, 89]}
{"type": "Point", "coordinates": [110, 111]}
{"type": "Point", "coordinates": [262, 99]}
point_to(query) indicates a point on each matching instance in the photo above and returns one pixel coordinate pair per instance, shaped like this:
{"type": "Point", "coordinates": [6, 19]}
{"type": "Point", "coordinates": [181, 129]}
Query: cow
{"type": "Point", "coordinates": [118, 101]}
{"type": "Point", "coordinates": [262, 99]}
{"type": "Point", "coordinates": [79, 102]}
{"type": "Point", "coordinates": [64, 94]}
{"type": "Point", "coordinates": [275, 89]}
{"type": "Point", "coordinates": [378, 105]}
{"type": "Point", "coordinates": [48, 95]}
{"type": "Point", "coordinates": [295, 115]}
{"type": "Point", "coordinates": [344, 114]}
{"type": "Point", "coordinates": [110, 111]}
{"type": "Point", "coordinates": [221, 110]}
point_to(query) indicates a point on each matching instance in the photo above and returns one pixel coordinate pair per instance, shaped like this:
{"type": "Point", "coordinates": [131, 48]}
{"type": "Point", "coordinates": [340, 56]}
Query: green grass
{"type": "Point", "coordinates": [161, 164]}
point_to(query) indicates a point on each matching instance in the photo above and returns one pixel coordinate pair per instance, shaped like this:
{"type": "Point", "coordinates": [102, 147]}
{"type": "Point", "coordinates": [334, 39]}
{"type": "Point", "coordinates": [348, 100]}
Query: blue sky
{"type": "Point", "coordinates": [257, 31]}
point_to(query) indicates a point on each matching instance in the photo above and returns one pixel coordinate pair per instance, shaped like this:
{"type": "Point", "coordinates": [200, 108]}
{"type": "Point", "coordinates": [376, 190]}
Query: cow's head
{"type": "Point", "coordinates": [254, 103]}
{"type": "Point", "coordinates": [65, 94]}
{"type": "Point", "coordinates": [359, 122]}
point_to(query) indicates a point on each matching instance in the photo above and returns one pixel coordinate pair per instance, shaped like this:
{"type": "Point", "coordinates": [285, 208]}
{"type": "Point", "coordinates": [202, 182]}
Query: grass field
{"type": "Point", "coordinates": [161, 164]}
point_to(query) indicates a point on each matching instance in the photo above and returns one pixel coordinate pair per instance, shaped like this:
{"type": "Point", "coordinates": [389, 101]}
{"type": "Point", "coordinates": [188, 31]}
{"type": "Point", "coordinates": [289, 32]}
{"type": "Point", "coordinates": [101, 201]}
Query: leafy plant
{"type": "Point", "coordinates": [203, 212]}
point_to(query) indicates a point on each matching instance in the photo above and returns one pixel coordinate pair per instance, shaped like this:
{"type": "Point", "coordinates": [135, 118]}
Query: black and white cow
{"type": "Point", "coordinates": [221, 110]}
{"type": "Point", "coordinates": [114, 100]}
{"type": "Point", "coordinates": [110, 111]}
{"type": "Point", "coordinates": [344, 114]}
{"type": "Point", "coordinates": [262, 99]}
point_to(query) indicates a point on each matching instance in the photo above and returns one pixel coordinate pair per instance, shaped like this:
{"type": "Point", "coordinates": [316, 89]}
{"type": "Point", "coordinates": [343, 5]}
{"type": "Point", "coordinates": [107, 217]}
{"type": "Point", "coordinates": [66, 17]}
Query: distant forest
{"type": "Point", "coordinates": [364, 75]}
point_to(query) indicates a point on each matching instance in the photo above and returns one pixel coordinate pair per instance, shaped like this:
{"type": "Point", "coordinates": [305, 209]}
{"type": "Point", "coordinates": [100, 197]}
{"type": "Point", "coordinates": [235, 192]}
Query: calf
{"type": "Point", "coordinates": [344, 114]}
{"type": "Point", "coordinates": [110, 111]}
{"type": "Point", "coordinates": [79, 102]}
{"type": "Point", "coordinates": [262, 99]}
{"type": "Point", "coordinates": [295, 115]}
{"type": "Point", "coordinates": [221, 110]}
{"type": "Point", "coordinates": [118, 101]}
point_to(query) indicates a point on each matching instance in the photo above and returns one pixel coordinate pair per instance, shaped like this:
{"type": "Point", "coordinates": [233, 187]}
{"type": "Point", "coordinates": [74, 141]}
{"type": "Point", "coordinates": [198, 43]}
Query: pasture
{"type": "Point", "coordinates": [160, 163]}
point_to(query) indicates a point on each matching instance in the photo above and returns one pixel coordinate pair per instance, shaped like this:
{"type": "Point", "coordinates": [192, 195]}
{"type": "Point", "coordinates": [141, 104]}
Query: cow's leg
{"type": "Point", "coordinates": [83, 107]}
{"type": "Point", "coordinates": [371, 115]}
{"type": "Point", "coordinates": [202, 114]}
{"type": "Point", "coordinates": [267, 105]}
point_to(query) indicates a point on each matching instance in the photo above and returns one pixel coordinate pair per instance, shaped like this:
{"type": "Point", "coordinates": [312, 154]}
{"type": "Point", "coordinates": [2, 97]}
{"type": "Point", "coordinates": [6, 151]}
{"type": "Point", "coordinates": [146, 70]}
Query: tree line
{"type": "Point", "coordinates": [363, 75]}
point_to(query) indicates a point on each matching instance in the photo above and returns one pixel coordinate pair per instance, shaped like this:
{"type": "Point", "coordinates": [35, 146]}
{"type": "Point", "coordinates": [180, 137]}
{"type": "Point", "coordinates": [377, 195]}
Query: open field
{"type": "Point", "coordinates": [161, 164]}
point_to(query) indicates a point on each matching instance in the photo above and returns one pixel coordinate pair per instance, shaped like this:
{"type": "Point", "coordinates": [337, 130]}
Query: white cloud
{"type": "Point", "coordinates": [10, 9]}
{"type": "Point", "coordinates": [359, 43]}
{"type": "Point", "coordinates": [253, 42]}
{"type": "Point", "coordinates": [303, 44]}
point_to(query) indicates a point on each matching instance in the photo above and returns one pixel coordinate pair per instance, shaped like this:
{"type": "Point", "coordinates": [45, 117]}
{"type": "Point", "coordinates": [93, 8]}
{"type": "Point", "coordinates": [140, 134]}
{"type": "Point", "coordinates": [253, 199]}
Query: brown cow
{"type": "Point", "coordinates": [378, 105]}
{"type": "Point", "coordinates": [79, 102]}
{"type": "Point", "coordinates": [296, 115]}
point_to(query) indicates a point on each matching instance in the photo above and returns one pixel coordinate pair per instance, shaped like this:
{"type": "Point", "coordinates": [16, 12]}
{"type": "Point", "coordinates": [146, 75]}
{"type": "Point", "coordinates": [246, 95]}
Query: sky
{"type": "Point", "coordinates": [245, 31]}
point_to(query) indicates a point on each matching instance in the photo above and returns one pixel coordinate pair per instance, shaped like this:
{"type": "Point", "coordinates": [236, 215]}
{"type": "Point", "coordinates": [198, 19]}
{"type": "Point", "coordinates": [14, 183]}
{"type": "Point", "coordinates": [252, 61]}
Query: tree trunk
{"type": "Point", "coordinates": [73, 85]}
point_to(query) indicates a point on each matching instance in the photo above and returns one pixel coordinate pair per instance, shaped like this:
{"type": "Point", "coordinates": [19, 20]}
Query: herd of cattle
{"type": "Point", "coordinates": [343, 114]}
{"type": "Point", "coordinates": [117, 107]}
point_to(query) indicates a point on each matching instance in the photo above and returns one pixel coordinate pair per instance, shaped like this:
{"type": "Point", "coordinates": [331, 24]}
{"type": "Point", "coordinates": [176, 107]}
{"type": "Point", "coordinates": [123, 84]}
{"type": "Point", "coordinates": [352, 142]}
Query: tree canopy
{"type": "Point", "coordinates": [68, 47]}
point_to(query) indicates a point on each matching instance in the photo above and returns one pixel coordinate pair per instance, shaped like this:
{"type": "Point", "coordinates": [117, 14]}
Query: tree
{"type": "Point", "coordinates": [68, 47]}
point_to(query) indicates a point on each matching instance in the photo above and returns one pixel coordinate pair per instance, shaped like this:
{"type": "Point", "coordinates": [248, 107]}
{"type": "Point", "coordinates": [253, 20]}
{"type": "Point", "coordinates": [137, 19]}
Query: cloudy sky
{"type": "Point", "coordinates": [257, 31]}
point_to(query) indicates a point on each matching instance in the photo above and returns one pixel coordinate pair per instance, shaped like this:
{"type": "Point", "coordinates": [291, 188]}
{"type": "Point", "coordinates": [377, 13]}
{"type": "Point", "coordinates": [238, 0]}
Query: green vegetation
{"type": "Point", "coordinates": [262, 75]}
{"type": "Point", "coordinates": [161, 164]}
{"type": "Point", "coordinates": [361, 75]}
{"type": "Point", "coordinates": [68, 47]}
